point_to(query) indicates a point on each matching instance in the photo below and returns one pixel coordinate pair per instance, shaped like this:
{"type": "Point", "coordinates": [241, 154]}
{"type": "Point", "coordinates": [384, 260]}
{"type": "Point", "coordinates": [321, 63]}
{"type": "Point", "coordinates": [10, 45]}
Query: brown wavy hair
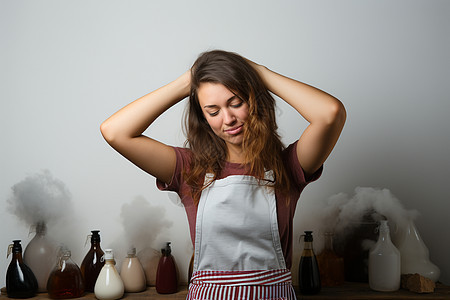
{"type": "Point", "coordinates": [261, 143]}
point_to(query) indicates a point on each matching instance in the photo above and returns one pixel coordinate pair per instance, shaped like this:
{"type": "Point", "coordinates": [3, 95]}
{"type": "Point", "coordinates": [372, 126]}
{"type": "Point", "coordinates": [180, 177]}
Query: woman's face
{"type": "Point", "coordinates": [225, 112]}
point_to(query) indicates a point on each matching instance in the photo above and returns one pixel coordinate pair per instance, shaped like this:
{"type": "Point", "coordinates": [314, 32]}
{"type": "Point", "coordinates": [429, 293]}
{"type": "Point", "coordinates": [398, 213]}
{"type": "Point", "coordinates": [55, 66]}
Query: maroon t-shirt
{"type": "Point", "coordinates": [285, 212]}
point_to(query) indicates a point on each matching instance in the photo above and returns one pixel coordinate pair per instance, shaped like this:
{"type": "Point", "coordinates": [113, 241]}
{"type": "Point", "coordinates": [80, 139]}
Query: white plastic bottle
{"type": "Point", "coordinates": [109, 285]}
{"type": "Point", "coordinates": [384, 263]}
{"type": "Point", "coordinates": [132, 273]}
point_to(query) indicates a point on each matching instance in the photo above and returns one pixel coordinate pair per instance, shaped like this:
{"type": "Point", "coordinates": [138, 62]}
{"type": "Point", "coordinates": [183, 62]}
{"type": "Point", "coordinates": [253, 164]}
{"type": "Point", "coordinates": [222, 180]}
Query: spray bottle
{"type": "Point", "coordinates": [166, 275]}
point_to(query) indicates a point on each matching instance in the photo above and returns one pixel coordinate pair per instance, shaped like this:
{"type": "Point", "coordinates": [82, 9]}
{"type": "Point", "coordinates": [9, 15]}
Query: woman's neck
{"type": "Point", "coordinates": [235, 154]}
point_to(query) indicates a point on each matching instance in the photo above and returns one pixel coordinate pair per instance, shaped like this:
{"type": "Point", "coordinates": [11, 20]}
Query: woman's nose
{"type": "Point", "coordinates": [229, 118]}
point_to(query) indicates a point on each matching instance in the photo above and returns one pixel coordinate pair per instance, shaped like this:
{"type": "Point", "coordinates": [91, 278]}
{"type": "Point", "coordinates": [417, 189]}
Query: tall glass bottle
{"type": "Point", "coordinates": [384, 262]}
{"type": "Point", "coordinates": [132, 273]}
{"type": "Point", "coordinates": [331, 266]}
{"type": "Point", "coordinates": [39, 255]}
{"type": "Point", "coordinates": [20, 280]}
{"type": "Point", "coordinates": [109, 285]}
{"type": "Point", "coordinates": [92, 262]}
{"type": "Point", "coordinates": [65, 280]}
{"type": "Point", "coordinates": [308, 271]}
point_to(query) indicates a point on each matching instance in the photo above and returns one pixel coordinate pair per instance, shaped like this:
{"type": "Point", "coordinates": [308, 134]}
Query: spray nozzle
{"type": "Point", "coordinates": [166, 251]}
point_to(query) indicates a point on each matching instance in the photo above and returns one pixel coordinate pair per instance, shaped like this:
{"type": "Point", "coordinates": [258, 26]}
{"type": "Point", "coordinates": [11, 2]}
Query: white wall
{"type": "Point", "coordinates": [67, 65]}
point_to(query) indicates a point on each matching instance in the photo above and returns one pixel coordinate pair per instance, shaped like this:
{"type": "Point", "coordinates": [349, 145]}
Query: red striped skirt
{"type": "Point", "coordinates": [242, 285]}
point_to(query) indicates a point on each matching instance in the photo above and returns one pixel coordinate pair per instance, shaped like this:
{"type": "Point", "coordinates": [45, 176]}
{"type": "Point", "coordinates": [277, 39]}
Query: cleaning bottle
{"type": "Point", "coordinates": [384, 263]}
{"type": "Point", "coordinates": [166, 275]}
{"type": "Point", "coordinates": [20, 280]}
{"type": "Point", "coordinates": [65, 280]}
{"type": "Point", "coordinates": [92, 262]}
{"type": "Point", "coordinates": [132, 273]}
{"type": "Point", "coordinates": [308, 271]}
{"type": "Point", "coordinates": [109, 285]}
{"type": "Point", "coordinates": [39, 255]}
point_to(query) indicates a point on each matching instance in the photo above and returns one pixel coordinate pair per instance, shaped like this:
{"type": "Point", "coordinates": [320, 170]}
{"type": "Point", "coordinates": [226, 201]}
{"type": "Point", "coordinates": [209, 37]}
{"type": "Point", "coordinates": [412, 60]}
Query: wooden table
{"type": "Point", "coordinates": [348, 291]}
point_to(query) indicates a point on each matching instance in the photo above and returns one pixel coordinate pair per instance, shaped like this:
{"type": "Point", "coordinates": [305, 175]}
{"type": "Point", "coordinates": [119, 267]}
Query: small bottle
{"type": "Point", "coordinates": [20, 280]}
{"type": "Point", "coordinates": [109, 285]}
{"type": "Point", "coordinates": [166, 275]}
{"type": "Point", "coordinates": [308, 271]}
{"type": "Point", "coordinates": [132, 273]}
{"type": "Point", "coordinates": [384, 263]}
{"type": "Point", "coordinates": [39, 255]}
{"type": "Point", "coordinates": [65, 281]}
{"type": "Point", "coordinates": [92, 262]}
{"type": "Point", "coordinates": [331, 266]}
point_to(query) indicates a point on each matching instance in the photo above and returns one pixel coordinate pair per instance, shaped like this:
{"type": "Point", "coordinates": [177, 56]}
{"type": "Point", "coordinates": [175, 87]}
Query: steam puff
{"type": "Point", "coordinates": [142, 222]}
{"type": "Point", "coordinates": [40, 198]}
{"type": "Point", "coordinates": [341, 211]}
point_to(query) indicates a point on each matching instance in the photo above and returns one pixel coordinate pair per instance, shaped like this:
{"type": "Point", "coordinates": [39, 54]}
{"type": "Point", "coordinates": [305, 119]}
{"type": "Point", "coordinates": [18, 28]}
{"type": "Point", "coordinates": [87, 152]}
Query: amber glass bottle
{"type": "Point", "coordinates": [65, 280]}
{"type": "Point", "coordinates": [20, 280]}
{"type": "Point", "coordinates": [331, 266]}
{"type": "Point", "coordinates": [92, 263]}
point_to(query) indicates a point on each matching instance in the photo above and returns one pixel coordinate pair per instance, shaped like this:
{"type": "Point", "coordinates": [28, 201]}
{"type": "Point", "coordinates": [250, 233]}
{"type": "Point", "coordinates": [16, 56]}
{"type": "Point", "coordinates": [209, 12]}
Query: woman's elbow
{"type": "Point", "coordinates": [107, 132]}
{"type": "Point", "coordinates": [337, 114]}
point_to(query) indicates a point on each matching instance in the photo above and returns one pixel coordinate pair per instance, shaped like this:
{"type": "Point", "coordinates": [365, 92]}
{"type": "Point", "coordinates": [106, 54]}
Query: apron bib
{"type": "Point", "coordinates": [238, 253]}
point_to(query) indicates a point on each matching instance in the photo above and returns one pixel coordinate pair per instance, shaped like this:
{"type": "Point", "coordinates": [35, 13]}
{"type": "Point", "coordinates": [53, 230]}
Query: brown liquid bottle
{"type": "Point", "coordinates": [308, 270]}
{"type": "Point", "coordinates": [65, 281]}
{"type": "Point", "coordinates": [92, 263]}
{"type": "Point", "coordinates": [20, 280]}
{"type": "Point", "coordinates": [331, 266]}
{"type": "Point", "coordinates": [166, 275]}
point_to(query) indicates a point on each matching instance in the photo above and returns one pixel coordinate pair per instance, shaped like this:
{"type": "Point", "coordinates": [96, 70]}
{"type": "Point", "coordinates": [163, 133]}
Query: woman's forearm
{"type": "Point", "coordinates": [132, 120]}
{"type": "Point", "coordinates": [313, 104]}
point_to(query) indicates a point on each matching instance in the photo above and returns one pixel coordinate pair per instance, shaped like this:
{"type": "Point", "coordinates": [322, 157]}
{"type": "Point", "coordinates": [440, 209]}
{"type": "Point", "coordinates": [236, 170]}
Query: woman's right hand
{"type": "Point", "coordinates": [123, 130]}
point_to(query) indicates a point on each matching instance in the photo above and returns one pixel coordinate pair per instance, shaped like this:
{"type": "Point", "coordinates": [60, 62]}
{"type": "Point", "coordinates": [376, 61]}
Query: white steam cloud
{"type": "Point", "coordinates": [40, 198]}
{"type": "Point", "coordinates": [143, 222]}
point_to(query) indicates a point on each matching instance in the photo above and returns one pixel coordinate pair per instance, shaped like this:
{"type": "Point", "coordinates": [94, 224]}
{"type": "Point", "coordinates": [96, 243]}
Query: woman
{"type": "Point", "coordinates": [238, 183]}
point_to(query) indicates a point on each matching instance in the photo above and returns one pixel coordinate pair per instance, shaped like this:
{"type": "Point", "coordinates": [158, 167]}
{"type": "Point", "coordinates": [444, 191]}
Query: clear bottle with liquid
{"type": "Point", "coordinates": [331, 265]}
{"type": "Point", "coordinates": [20, 280]}
{"type": "Point", "coordinates": [132, 273]}
{"type": "Point", "coordinates": [109, 284]}
{"type": "Point", "coordinates": [167, 274]}
{"type": "Point", "coordinates": [39, 255]}
{"type": "Point", "coordinates": [65, 280]}
{"type": "Point", "coordinates": [308, 270]}
{"type": "Point", "coordinates": [92, 263]}
{"type": "Point", "coordinates": [384, 262]}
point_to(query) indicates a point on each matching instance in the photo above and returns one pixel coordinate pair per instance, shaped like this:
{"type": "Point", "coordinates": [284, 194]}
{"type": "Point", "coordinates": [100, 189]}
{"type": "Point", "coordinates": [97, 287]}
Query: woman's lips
{"type": "Point", "coordinates": [234, 130]}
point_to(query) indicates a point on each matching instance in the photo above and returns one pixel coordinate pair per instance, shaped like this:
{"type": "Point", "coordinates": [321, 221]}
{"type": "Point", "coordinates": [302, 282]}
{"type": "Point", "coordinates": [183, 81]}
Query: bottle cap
{"type": "Point", "coordinates": [308, 236]}
{"type": "Point", "coordinates": [132, 251]}
{"type": "Point", "coordinates": [109, 254]}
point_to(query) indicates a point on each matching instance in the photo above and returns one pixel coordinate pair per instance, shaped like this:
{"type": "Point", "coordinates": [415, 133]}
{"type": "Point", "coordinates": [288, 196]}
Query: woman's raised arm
{"type": "Point", "coordinates": [325, 113]}
{"type": "Point", "coordinates": [123, 130]}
